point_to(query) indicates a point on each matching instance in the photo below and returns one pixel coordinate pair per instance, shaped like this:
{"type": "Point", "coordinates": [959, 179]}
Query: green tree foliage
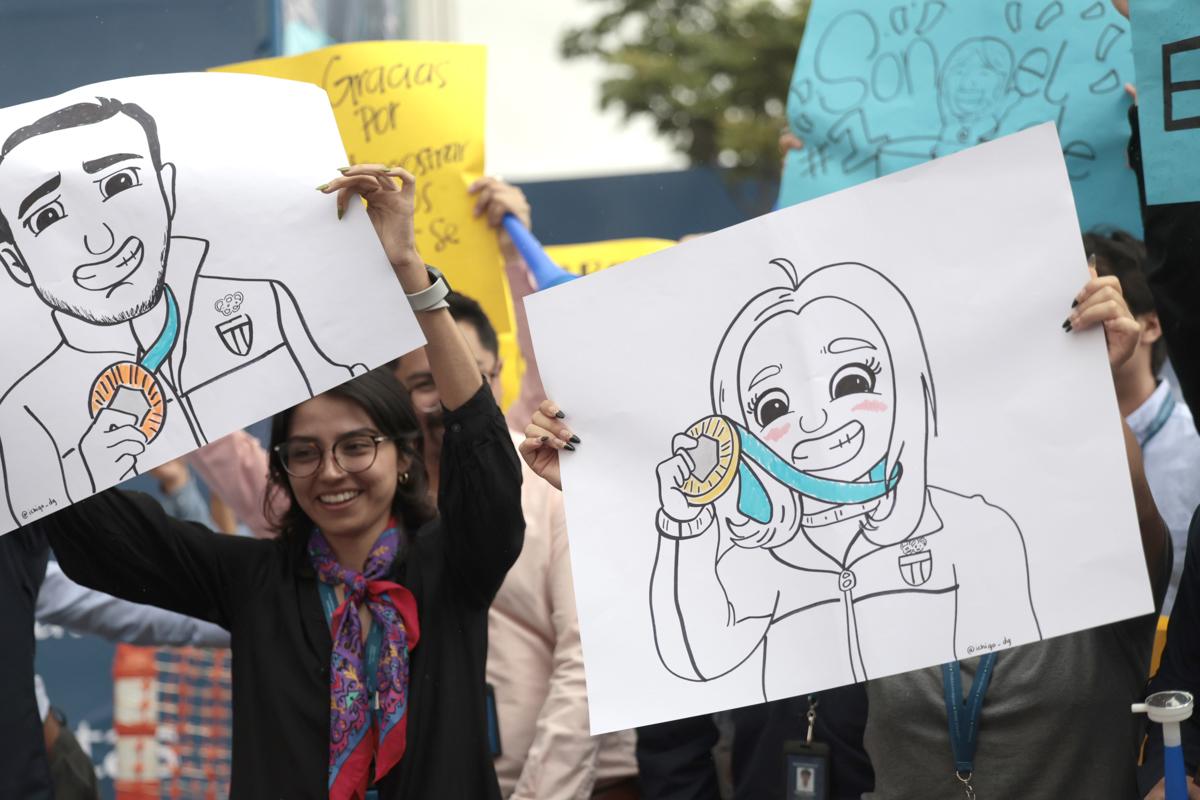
{"type": "Point", "coordinates": [712, 74]}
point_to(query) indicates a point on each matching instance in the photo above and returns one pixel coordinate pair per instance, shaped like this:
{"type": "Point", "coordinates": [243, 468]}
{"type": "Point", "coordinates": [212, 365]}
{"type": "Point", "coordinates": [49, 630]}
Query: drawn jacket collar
{"type": "Point", "coordinates": [814, 558]}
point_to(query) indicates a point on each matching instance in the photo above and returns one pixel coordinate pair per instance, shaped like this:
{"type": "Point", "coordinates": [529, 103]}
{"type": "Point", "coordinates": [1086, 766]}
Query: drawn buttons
{"type": "Point", "coordinates": [847, 581]}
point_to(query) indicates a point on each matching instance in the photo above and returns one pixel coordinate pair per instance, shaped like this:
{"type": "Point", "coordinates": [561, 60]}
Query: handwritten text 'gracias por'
{"type": "Point", "coordinates": [375, 95]}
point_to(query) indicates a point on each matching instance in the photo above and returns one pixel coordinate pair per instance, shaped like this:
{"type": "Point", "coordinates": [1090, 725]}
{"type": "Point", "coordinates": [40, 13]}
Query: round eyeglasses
{"type": "Point", "coordinates": [302, 458]}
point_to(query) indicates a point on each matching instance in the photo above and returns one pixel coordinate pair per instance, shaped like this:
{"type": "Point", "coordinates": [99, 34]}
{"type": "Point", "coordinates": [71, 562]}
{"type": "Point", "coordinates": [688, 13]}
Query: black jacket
{"type": "Point", "coordinates": [23, 769]}
{"type": "Point", "coordinates": [265, 593]}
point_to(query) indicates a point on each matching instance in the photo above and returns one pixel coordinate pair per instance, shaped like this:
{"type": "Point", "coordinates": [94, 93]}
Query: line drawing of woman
{"type": "Point", "coordinates": [801, 511]}
{"type": "Point", "coordinates": [974, 93]}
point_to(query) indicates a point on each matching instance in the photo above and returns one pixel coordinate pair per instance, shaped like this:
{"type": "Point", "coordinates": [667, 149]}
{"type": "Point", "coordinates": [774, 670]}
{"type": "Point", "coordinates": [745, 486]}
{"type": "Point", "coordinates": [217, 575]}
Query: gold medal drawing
{"type": "Point", "coordinates": [716, 458]}
{"type": "Point", "coordinates": [131, 388]}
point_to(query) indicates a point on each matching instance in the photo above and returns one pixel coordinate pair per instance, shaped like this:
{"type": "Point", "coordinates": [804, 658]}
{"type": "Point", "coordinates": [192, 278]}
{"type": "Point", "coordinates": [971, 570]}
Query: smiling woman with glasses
{"type": "Point", "coordinates": [360, 634]}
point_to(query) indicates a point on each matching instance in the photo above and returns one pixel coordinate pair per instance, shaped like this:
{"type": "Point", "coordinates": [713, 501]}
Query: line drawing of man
{"type": "Point", "coordinates": [153, 350]}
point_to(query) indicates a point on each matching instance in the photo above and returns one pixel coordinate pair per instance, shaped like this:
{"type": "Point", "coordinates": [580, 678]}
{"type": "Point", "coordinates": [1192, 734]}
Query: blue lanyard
{"type": "Point", "coordinates": [963, 716]}
{"type": "Point", "coordinates": [374, 640]}
{"type": "Point", "coordinates": [1160, 419]}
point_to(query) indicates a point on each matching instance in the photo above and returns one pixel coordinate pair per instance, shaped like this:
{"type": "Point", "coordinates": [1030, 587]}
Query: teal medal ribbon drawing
{"type": "Point", "coordinates": [752, 497]}
{"type": "Point", "coordinates": [158, 352]}
{"type": "Point", "coordinates": [721, 443]}
{"type": "Point", "coordinates": [131, 387]}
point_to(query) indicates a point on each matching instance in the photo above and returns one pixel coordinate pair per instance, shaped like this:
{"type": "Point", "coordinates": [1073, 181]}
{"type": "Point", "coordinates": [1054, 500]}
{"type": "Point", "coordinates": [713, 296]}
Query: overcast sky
{"type": "Point", "coordinates": [543, 113]}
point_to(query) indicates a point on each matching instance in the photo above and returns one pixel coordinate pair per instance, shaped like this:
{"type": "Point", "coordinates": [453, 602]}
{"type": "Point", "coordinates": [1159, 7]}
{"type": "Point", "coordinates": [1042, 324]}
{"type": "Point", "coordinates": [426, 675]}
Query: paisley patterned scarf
{"type": "Point", "coordinates": [356, 735]}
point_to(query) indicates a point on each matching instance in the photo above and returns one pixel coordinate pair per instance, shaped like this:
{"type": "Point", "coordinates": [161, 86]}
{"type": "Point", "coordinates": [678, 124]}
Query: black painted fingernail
{"type": "Point", "coordinates": [560, 415]}
{"type": "Point", "coordinates": [1074, 303]}
{"type": "Point", "coordinates": [1066, 326]}
{"type": "Point", "coordinates": [569, 446]}
{"type": "Point", "coordinates": [545, 438]}
{"type": "Point", "coordinates": [575, 439]}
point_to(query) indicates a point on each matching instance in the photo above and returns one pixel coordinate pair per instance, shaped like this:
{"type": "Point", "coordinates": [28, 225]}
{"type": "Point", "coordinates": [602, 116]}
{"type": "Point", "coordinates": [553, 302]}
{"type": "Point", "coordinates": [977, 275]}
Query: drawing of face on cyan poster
{"type": "Point", "coordinates": [171, 276]}
{"type": "Point", "coordinates": [880, 87]}
{"type": "Point", "coordinates": [834, 443]}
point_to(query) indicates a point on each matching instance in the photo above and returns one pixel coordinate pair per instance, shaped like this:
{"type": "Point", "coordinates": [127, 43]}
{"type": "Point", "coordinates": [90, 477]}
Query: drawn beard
{"type": "Point", "coordinates": [106, 316]}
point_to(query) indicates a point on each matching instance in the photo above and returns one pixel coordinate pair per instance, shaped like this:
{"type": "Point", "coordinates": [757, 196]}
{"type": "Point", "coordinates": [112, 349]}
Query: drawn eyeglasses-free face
{"type": "Point", "coordinates": [89, 218]}
{"type": "Point", "coordinates": [355, 452]}
{"type": "Point", "coordinates": [817, 388]}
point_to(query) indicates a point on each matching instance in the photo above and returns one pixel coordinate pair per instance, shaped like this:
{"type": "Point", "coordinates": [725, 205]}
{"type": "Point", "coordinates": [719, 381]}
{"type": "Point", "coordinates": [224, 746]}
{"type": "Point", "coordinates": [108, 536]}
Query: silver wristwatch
{"type": "Point", "coordinates": [433, 297]}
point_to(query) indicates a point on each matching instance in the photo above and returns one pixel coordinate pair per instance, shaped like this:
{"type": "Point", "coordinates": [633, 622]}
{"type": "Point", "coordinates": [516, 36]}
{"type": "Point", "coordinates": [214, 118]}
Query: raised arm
{"type": "Point", "coordinates": [1101, 303]}
{"type": "Point", "coordinates": [479, 497]}
{"type": "Point", "coordinates": [495, 199]}
{"type": "Point", "coordinates": [391, 208]}
{"type": "Point", "coordinates": [123, 544]}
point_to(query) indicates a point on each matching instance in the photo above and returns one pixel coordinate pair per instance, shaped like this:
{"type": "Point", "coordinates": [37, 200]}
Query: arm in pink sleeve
{"type": "Point", "coordinates": [532, 394]}
{"type": "Point", "coordinates": [562, 759]}
{"type": "Point", "coordinates": [235, 469]}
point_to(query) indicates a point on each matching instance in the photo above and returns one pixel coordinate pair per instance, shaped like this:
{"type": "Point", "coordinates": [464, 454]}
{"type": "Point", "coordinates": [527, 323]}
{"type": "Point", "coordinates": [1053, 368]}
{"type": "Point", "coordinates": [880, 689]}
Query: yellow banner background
{"type": "Point", "coordinates": [420, 106]}
{"type": "Point", "coordinates": [589, 257]}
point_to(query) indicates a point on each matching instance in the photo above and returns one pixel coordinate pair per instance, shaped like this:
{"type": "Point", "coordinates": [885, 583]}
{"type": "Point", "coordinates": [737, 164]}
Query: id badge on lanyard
{"type": "Point", "coordinates": [806, 764]}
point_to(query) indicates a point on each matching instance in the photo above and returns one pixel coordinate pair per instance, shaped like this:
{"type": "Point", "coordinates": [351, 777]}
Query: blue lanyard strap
{"type": "Point", "coordinates": [374, 637]}
{"type": "Point", "coordinates": [1160, 419]}
{"type": "Point", "coordinates": [158, 352]}
{"type": "Point", "coordinates": [752, 497]}
{"type": "Point", "coordinates": [963, 716]}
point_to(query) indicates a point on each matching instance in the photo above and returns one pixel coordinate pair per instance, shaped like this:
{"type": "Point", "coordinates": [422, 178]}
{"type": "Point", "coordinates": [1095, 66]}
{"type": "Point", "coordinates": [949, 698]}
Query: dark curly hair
{"type": "Point", "coordinates": [387, 404]}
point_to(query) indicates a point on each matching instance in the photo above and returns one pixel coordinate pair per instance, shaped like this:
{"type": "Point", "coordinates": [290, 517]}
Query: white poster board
{"type": "Point", "coordinates": [171, 274]}
{"type": "Point", "coordinates": [895, 350]}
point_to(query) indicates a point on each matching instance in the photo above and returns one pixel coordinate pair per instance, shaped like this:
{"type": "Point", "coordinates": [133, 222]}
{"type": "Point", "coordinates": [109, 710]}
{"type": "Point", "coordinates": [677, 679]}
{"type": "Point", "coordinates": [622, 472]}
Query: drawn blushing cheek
{"type": "Point", "coordinates": [871, 404]}
{"type": "Point", "coordinates": [778, 432]}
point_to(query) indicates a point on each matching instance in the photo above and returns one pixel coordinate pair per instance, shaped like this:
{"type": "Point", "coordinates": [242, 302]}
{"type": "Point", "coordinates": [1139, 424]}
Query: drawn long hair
{"type": "Point", "coordinates": [913, 403]}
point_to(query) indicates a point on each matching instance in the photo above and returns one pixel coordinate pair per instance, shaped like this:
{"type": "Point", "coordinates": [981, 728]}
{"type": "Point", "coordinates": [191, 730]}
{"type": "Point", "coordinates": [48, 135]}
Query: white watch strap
{"type": "Point", "coordinates": [431, 298]}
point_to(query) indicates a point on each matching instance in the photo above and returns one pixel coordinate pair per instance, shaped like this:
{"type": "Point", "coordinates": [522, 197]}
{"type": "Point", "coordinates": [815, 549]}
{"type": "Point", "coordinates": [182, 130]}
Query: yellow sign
{"type": "Point", "coordinates": [584, 259]}
{"type": "Point", "coordinates": [420, 106]}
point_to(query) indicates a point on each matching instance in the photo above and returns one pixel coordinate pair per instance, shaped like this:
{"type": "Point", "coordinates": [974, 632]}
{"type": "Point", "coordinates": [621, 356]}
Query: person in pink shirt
{"type": "Point", "coordinates": [535, 662]}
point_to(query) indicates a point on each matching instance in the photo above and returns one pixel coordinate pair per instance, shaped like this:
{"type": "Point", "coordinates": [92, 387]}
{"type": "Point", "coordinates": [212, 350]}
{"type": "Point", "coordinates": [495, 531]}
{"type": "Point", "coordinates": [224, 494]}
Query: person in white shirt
{"type": "Point", "coordinates": [1163, 426]}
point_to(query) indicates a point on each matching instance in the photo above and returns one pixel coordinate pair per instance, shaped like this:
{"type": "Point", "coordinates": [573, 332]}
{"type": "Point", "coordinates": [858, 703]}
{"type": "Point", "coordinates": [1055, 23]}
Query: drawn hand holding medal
{"type": "Point", "coordinates": [128, 408]}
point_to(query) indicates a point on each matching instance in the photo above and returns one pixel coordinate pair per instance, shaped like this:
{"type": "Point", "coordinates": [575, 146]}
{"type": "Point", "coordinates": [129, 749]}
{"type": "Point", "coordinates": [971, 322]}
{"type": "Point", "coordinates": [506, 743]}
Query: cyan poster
{"type": "Point", "coordinates": [1166, 52]}
{"type": "Point", "coordinates": [883, 85]}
